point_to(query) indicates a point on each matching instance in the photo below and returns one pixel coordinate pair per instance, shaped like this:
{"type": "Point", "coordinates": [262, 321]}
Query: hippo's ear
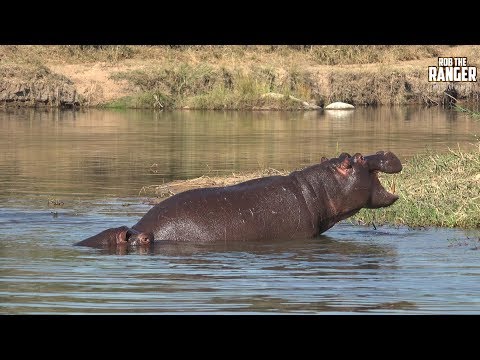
{"type": "Point", "coordinates": [133, 237]}
{"type": "Point", "coordinates": [122, 235]}
{"type": "Point", "coordinates": [344, 155]}
{"type": "Point", "coordinates": [323, 159]}
{"type": "Point", "coordinates": [107, 237]}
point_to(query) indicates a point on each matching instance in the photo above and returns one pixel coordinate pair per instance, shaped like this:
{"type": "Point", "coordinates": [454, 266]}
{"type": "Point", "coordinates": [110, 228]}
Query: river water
{"type": "Point", "coordinates": [96, 162]}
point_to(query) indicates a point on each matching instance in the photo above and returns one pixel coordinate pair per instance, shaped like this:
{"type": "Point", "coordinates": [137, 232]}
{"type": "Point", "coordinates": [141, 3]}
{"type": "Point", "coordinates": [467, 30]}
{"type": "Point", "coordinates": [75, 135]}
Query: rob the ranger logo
{"type": "Point", "coordinates": [452, 69]}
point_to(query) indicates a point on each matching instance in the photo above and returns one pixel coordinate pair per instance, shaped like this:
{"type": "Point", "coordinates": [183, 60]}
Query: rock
{"type": "Point", "coordinates": [308, 106]}
{"type": "Point", "coordinates": [278, 96]}
{"type": "Point", "coordinates": [339, 106]}
{"type": "Point", "coordinates": [273, 95]}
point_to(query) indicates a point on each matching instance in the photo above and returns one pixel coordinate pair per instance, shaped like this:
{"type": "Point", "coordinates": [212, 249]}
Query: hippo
{"type": "Point", "coordinates": [303, 204]}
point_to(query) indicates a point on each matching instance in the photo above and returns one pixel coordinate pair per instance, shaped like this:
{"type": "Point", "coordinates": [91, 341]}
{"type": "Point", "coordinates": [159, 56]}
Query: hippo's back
{"type": "Point", "coordinates": [270, 207]}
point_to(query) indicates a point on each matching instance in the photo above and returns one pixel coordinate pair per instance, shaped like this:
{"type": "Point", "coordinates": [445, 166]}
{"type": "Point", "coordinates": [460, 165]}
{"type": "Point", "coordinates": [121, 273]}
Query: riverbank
{"type": "Point", "coordinates": [226, 77]}
{"type": "Point", "coordinates": [434, 189]}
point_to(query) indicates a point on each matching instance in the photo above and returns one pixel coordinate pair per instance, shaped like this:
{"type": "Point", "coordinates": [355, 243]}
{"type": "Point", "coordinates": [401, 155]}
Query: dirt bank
{"type": "Point", "coordinates": [226, 77]}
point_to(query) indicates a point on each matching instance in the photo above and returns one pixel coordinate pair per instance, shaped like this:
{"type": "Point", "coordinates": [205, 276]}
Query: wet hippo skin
{"type": "Point", "coordinates": [302, 204]}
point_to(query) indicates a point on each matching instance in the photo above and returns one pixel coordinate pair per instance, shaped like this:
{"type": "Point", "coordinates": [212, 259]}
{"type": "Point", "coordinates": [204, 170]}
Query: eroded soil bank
{"type": "Point", "coordinates": [227, 77]}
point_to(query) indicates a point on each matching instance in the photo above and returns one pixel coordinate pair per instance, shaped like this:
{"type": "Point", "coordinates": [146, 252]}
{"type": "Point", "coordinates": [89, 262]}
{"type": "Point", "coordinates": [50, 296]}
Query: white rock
{"type": "Point", "coordinates": [339, 106]}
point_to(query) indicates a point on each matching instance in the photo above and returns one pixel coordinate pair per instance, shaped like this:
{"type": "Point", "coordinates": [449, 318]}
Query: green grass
{"type": "Point", "coordinates": [474, 114]}
{"type": "Point", "coordinates": [143, 100]}
{"type": "Point", "coordinates": [207, 87]}
{"type": "Point", "coordinates": [435, 190]}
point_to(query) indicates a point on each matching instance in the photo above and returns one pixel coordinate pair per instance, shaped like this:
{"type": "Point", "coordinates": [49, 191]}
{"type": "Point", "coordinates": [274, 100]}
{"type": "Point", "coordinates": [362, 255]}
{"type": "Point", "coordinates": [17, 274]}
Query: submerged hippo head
{"type": "Point", "coordinates": [356, 177]}
{"type": "Point", "coordinates": [121, 236]}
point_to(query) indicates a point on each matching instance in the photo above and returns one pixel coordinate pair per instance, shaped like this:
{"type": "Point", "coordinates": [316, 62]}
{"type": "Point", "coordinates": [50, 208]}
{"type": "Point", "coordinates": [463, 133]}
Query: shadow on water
{"type": "Point", "coordinates": [266, 304]}
{"type": "Point", "coordinates": [323, 244]}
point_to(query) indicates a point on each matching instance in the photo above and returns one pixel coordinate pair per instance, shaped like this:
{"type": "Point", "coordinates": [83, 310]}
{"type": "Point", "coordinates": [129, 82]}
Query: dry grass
{"type": "Point", "coordinates": [30, 73]}
{"type": "Point", "coordinates": [205, 181]}
{"type": "Point", "coordinates": [236, 77]}
{"type": "Point", "coordinates": [42, 54]}
{"type": "Point", "coordinates": [369, 54]}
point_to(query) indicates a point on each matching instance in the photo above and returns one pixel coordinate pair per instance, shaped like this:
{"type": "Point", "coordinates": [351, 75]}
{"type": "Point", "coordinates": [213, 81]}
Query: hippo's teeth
{"type": "Point", "coordinates": [392, 190]}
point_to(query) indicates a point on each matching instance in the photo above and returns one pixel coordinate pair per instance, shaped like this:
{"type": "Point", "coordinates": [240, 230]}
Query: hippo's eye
{"type": "Point", "coordinates": [359, 158]}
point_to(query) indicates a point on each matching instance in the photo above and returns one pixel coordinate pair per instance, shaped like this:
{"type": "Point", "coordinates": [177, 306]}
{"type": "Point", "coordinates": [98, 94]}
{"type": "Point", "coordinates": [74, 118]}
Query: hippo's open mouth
{"type": "Point", "coordinates": [380, 196]}
{"type": "Point", "coordinates": [388, 163]}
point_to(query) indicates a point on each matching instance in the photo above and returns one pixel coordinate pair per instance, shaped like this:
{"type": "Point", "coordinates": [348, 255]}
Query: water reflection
{"type": "Point", "coordinates": [303, 249]}
{"type": "Point", "coordinates": [338, 114]}
{"type": "Point", "coordinates": [267, 304]}
{"type": "Point", "coordinates": [111, 153]}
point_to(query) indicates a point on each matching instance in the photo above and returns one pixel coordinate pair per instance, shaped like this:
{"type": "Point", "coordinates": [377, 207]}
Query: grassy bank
{"type": "Point", "coordinates": [234, 77]}
{"type": "Point", "coordinates": [434, 189]}
{"type": "Point", "coordinates": [472, 113]}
